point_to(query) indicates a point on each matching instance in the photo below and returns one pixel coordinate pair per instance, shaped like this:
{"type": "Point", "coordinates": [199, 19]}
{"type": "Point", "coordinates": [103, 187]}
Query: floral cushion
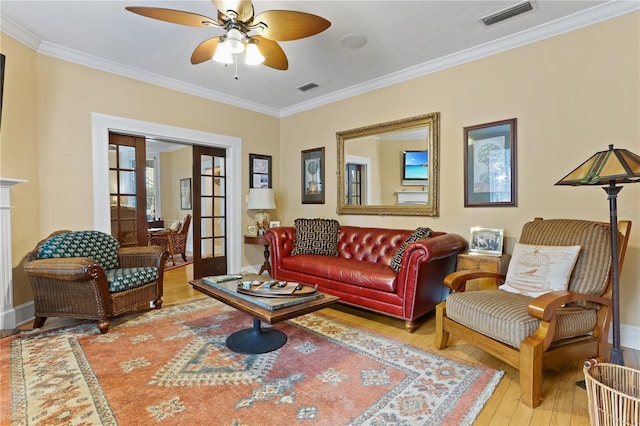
{"type": "Point", "coordinates": [101, 247]}
{"type": "Point", "coordinates": [127, 278]}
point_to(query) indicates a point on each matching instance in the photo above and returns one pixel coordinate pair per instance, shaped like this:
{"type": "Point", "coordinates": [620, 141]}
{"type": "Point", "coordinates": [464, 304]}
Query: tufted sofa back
{"type": "Point", "coordinates": [375, 245]}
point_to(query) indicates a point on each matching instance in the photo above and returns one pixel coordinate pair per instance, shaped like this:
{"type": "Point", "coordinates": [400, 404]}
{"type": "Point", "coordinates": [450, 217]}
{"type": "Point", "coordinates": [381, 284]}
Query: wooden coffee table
{"type": "Point", "coordinates": [258, 340]}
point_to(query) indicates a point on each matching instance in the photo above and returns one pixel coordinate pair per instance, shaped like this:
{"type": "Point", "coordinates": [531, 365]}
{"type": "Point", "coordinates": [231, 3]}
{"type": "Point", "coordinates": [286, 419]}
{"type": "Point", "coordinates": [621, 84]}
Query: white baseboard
{"type": "Point", "coordinates": [7, 317]}
{"type": "Point", "coordinates": [253, 269]}
{"type": "Point", "coordinates": [25, 313]}
{"type": "Point", "coordinates": [629, 334]}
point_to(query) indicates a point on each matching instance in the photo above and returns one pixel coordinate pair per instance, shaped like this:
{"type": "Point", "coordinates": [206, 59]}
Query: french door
{"type": "Point", "coordinates": [209, 211]}
{"type": "Point", "coordinates": [127, 190]}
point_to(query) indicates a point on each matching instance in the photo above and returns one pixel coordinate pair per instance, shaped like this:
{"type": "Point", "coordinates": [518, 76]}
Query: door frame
{"type": "Point", "coordinates": [101, 124]}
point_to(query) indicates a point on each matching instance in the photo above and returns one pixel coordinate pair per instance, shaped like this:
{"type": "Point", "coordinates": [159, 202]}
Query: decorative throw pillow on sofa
{"type": "Point", "coordinates": [535, 270]}
{"type": "Point", "coordinates": [315, 236]}
{"type": "Point", "coordinates": [416, 235]}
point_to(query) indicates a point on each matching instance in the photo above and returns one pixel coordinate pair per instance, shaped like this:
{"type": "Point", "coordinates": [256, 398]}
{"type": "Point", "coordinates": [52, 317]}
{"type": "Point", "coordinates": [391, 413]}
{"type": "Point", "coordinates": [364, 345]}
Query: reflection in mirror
{"type": "Point", "coordinates": [390, 168]}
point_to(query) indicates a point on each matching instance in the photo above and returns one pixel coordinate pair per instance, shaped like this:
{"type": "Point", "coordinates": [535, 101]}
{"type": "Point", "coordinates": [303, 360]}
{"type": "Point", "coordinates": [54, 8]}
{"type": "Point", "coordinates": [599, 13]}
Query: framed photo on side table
{"type": "Point", "coordinates": [260, 171]}
{"type": "Point", "coordinates": [313, 176]}
{"type": "Point", "coordinates": [490, 164]}
{"type": "Point", "coordinates": [486, 241]}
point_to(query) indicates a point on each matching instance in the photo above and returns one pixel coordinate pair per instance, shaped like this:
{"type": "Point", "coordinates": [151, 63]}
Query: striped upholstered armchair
{"type": "Point", "coordinates": [526, 323]}
{"type": "Point", "coordinates": [85, 274]}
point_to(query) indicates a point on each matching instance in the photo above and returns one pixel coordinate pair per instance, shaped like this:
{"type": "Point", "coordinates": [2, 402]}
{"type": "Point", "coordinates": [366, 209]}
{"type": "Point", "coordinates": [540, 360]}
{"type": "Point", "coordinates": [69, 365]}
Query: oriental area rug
{"type": "Point", "coordinates": [171, 367]}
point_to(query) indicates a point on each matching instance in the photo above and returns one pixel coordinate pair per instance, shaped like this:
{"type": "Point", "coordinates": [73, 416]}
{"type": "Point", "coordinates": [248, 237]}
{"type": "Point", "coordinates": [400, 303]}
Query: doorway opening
{"type": "Point", "coordinates": [102, 125]}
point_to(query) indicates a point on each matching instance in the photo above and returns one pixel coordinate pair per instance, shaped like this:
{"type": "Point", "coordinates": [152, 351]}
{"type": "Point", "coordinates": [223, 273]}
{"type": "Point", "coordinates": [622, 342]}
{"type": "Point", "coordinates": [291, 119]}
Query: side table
{"type": "Point", "coordinates": [260, 240]}
{"type": "Point", "coordinates": [483, 262]}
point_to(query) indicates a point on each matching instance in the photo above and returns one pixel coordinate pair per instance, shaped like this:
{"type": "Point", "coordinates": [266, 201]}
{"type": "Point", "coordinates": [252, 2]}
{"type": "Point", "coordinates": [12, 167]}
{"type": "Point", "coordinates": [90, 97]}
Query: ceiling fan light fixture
{"type": "Point", "coordinates": [234, 40]}
{"type": "Point", "coordinates": [223, 54]}
{"type": "Point", "coordinates": [253, 56]}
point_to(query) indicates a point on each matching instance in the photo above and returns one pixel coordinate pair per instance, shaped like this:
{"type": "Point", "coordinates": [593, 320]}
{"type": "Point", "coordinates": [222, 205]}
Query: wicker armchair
{"type": "Point", "coordinates": [534, 334]}
{"type": "Point", "coordinates": [173, 240]}
{"type": "Point", "coordinates": [85, 274]}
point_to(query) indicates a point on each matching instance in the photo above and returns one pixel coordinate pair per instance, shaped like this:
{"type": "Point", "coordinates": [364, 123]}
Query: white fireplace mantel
{"type": "Point", "coordinates": [7, 313]}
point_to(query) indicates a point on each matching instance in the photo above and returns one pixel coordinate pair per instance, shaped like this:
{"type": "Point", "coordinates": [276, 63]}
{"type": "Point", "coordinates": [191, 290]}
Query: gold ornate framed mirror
{"type": "Point", "coordinates": [390, 168]}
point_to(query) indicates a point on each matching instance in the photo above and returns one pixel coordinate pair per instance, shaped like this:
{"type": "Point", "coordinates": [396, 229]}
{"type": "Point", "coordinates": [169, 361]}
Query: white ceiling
{"type": "Point", "coordinates": [405, 39]}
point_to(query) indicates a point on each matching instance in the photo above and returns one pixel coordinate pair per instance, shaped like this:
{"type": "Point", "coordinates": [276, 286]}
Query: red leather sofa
{"type": "Point", "coordinates": [361, 276]}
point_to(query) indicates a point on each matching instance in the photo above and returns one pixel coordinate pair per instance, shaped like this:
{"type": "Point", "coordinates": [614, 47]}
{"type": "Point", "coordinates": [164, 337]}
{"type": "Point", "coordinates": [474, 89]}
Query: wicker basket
{"type": "Point", "coordinates": [614, 394]}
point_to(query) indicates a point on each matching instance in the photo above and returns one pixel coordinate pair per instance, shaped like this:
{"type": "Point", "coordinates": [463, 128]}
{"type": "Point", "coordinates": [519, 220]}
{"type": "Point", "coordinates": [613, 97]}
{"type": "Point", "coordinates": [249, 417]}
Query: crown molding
{"type": "Point", "coordinates": [91, 61]}
{"type": "Point", "coordinates": [578, 20]}
{"type": "Point", "coordinates": [22, 35]}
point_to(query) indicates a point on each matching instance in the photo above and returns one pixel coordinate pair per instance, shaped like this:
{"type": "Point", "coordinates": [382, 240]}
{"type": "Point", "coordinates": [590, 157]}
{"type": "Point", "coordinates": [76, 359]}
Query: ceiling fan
{"type": "Point", "coordinates": [256, 35]}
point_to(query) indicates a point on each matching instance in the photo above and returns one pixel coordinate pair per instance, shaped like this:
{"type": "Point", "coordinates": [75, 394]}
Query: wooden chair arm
{"type": "Point", "coordinates": [544, 307]}
{"type": "Point", "coordinates": [457, 280]}
{"type": "Point", "coordinates": [65, 269]}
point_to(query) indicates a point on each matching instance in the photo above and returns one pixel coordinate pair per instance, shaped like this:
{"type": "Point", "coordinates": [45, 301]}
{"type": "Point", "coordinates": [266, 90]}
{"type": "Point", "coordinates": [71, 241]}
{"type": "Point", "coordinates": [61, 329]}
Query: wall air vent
{"type": "Point", "coordinates": [507, 13]}
{"type": "Point", "coordinates": [307, 87]}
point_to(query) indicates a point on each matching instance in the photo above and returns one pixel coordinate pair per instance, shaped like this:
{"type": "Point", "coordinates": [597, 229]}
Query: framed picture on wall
{"type": "Point", "coordinates": [260, 171]}
{"type": "Point", "coordinates": [313, 176]}
{"type": "Point", "coordinates": [490, 164]}
{"type": "Point", "coordinates": [185, 194]}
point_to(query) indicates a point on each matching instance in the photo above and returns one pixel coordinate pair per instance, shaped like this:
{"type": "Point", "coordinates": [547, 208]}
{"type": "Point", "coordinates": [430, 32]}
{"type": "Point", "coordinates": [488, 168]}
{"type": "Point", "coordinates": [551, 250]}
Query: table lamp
{"type": "Point", "coordinates": [609, 168]}
{"type": "Point", "coordinates": [261, 199]}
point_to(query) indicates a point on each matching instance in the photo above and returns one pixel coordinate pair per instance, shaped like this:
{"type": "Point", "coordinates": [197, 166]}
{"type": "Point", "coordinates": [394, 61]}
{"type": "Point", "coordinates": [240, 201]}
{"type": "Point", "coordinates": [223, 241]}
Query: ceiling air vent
{"type": "Point", "coordinates": [507, 13]}
{"type": "Point", "coordinates": [307, 87]}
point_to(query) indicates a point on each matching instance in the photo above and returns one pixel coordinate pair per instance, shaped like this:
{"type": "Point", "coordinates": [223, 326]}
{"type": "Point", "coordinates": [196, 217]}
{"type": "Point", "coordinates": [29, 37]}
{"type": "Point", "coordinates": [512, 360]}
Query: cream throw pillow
{"type": "Point", "coordinates": [535, 270]}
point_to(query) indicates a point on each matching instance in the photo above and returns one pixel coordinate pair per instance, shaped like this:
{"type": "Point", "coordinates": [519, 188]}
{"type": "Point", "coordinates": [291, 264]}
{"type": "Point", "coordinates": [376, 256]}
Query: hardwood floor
{"type": "Point", "coordinates": [564, 403]}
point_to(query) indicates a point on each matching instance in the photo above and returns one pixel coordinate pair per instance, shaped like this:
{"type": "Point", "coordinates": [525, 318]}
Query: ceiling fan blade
{"type": "Point", "coordinates": [174, 16]}
{"type": "Point", "coordinates": [243, 8]}
{"type": "Point", "coordinates": [205, 50]}
{"type": "Point", "coordinates": [274, 56]}
{"type": "Point", "coordinates": [284, 25]}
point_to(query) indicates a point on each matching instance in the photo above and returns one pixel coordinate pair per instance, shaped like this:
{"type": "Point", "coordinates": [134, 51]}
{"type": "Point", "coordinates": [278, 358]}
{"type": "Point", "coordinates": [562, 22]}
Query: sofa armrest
{"type": "Point", "coordinates": [424, 265]}
{"type": "Point", "coordinates": [429, 249]}
{"type": "Point", "coordinates": [64, 269]}
{"type": "Point", "coordinates": [136, 257]}
{"type": "Point", "coordinates": [280, 244]}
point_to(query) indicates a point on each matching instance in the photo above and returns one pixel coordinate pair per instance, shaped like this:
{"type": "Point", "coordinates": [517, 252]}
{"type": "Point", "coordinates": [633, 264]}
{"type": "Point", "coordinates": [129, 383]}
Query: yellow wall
{"type": "Point", "coordinates": [572, 95]}
{"type": "Point", "coordinates": [19, 156]}
{"type": "Point", "coordinates": [46, 138]}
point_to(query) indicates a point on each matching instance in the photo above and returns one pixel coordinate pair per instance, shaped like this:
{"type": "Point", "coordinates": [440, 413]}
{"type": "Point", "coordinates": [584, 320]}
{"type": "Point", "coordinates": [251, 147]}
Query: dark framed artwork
{"type": "Point", "coordinates": [2, 59]}
{"type": "Point", "coordinates": [260, 171]}
{"type": "Point", "coordinates": [313, 176]}
{"type": "Point", "coordinates": [185, 194]}
{"type": "Point", "coordinates": [490, 164]}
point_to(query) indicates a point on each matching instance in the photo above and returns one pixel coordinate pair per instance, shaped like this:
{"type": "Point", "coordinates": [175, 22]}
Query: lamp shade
{"type": "Point", "coordinates": [261, 199]}
{"type": "Point", "coordinates": [253, 55]}
{"type": "Point", "coordinates": [223, 54]}
{"type": "Point", "coordinates": [605, 167]}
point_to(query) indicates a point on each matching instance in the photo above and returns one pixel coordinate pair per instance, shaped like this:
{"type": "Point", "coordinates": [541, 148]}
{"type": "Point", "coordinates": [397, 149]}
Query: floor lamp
{"type": "Point", "coordinates": [608, 169]}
